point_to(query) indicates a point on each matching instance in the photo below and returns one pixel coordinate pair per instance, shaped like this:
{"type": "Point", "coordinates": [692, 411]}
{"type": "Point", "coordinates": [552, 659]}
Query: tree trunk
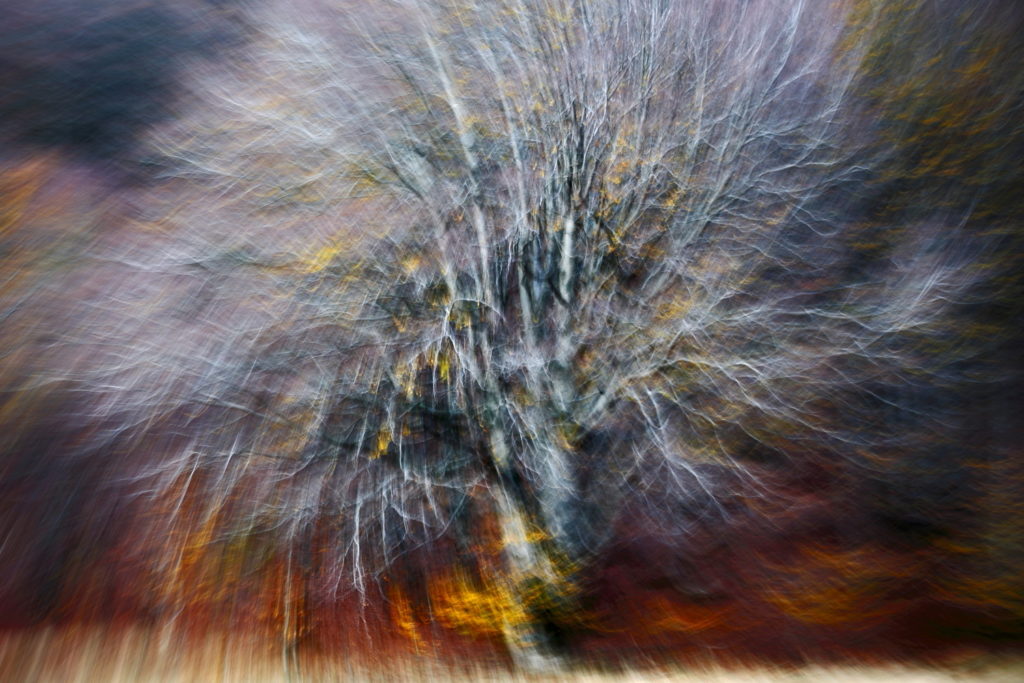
{"type": "Point", "coordinates": [528, 567]}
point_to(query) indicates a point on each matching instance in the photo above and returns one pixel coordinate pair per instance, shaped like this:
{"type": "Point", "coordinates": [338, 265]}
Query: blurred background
{"type": "Point", "coordinates": [529, 333]}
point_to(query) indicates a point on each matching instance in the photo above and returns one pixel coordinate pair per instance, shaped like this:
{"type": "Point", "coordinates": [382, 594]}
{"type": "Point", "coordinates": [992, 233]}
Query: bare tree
{"type": "Point", "coordinates": [564, 251]}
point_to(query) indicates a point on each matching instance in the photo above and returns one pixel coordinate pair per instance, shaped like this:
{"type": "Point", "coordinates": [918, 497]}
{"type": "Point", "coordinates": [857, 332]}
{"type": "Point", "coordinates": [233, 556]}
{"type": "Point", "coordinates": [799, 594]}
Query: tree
{"type": "Point", "coordinates": [614, 243]}
{"type": "Point", "coordinates": [513, 263]}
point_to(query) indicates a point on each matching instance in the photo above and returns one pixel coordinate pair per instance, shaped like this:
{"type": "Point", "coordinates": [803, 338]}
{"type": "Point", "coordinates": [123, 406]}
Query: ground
{"type": "Point", "coordinates": [85, 654]}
